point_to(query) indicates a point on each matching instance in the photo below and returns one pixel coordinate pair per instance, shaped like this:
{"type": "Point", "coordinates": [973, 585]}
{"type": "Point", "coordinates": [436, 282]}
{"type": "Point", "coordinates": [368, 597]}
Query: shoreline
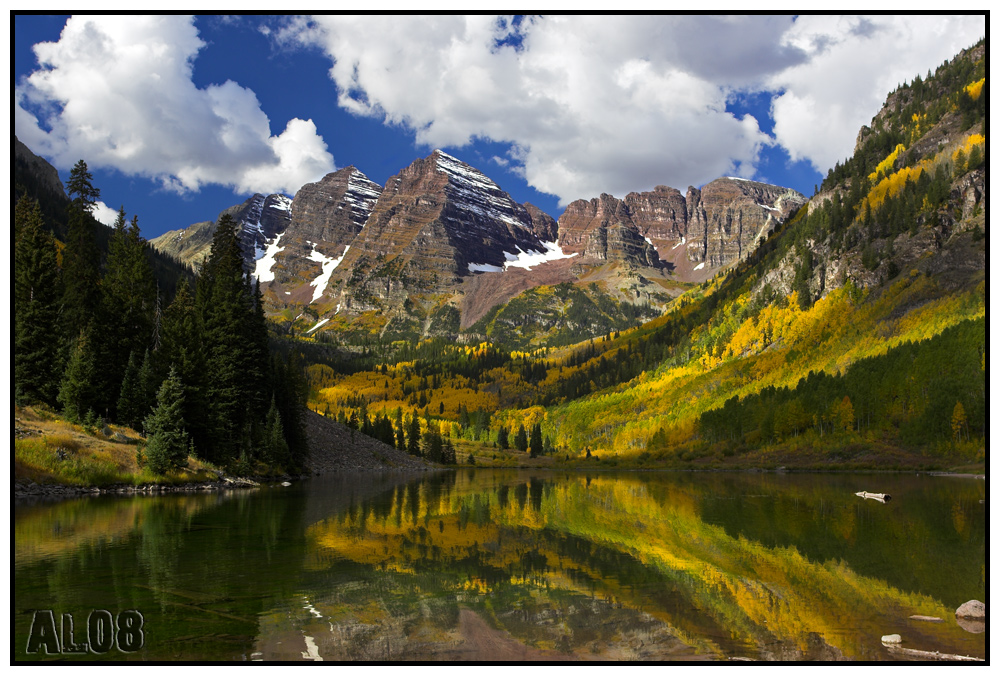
{"type": "Point", "coordinates": [33, 491]}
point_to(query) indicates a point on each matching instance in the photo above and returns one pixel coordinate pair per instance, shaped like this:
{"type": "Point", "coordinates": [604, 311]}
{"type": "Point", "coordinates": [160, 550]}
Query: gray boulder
{"type": "Point", "coordinates": [972, 610]}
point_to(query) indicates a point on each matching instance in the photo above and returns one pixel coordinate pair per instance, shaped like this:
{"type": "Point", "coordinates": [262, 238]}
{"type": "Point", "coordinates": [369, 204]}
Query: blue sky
{"type": "Point", "coordinates": [179, 118]}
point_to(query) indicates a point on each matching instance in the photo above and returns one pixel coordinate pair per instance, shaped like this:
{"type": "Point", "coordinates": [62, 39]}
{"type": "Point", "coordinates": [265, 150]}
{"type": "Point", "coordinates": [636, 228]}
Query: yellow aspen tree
{"type": "Point", "coordinates": [844, 414]}
{"type": "Point", "coordinates": [958, 421]}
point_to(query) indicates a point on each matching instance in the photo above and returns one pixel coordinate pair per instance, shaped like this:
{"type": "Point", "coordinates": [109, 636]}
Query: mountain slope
{"type": "Point", "coordinates": [852, 335]}
{"type": "Point", "coordinates": [892, 250]}
{"type": "Point", "coordinates": [39, 180]}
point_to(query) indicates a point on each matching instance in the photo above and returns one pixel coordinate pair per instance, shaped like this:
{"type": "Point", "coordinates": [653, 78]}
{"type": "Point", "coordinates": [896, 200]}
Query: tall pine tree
{"type": "Point", "coordinates": [36, 308]}
{"type": "Point", "coordinates": [235, 343]}
{"type": "Point", "coordinates": [81, 258]}
{"type": "Point", "coordinates": [127, 305]}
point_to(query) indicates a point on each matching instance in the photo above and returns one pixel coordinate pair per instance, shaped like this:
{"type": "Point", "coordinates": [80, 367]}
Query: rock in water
{"type": "Point", "coordinates": [893, 639]}
{"type": "Point", "coordinates": [972, 610]}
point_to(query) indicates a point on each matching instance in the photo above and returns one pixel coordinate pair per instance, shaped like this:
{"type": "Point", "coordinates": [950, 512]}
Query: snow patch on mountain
{"type": "Point", "coordinates": [318, 324]}
{"type": "Point", "coordinates": [361, 196]}
{"type": "Point", "coordinates": [529, 259]}
{"type": "Point", "coordinates": [472, 191]}
{"type": "Point", "coordinates": [265, 260]}
{"type": "Point", "coordinates": [329, 265]}
{"type": "Point", "coordinates": [680, 243]}
{"type": "Point", "coordinates": [524, 259]}
{"type": "Point", "coordinates": [699, 266]}
{"type": "Point", "coordinates": [484, 267]}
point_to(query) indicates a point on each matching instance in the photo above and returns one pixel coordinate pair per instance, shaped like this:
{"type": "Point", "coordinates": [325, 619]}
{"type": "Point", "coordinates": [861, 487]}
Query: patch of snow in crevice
{"type": "Point", "coordinates": [530, 259]}
{"type": "Point", "coordinates": [699, 266]}
{"type": "Point", "coordinates": [281, 203]}
{"type": "Point", "coordinates": [767, 207]}
{"type": "Point", "coordinates": [680, 243]}
{"type": "Point", "coordinates": [329, 265]}
{"type": "Point", "coordinates": [262, 270]}
{"type": "Point", "coordinates": [318, 324]}
{"type": "Point", "coordinates": [484, 267]}
{"type": "Point", "coordinates": [649, 241]}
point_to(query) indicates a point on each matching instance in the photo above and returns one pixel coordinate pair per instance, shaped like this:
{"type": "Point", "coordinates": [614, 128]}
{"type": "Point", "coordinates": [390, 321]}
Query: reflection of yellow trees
{"type": "Point", "coordinates": [761, 594]}
{"type": "Point", "coordinates": [751, 586]}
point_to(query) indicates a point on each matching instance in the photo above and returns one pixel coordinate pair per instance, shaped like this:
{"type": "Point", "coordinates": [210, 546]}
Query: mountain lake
{"type": "Point", "coordinates": [488, 565]}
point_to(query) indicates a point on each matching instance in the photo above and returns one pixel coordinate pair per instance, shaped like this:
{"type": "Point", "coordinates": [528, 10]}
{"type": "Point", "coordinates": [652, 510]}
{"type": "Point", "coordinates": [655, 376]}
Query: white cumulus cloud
{"type": "Point", "coordinates": [853, 63]}
{"type": "Point", "coordinates": [117, 90]}
{"type": "Point", "coordinates": [104, 214]}
{"type": "Point", "coordinates": [615, 104]}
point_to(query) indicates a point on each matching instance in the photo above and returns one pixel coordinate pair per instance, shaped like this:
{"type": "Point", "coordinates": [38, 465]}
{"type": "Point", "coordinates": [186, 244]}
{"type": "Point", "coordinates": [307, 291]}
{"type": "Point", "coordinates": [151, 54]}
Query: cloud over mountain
{"type": "Point", "coordinates": [614, 104]}
{"type": "Point", "coordinates": [118, 91]}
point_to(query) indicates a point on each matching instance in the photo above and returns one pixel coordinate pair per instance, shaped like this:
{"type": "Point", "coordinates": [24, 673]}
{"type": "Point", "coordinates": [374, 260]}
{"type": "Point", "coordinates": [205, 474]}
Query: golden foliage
{"type": "Point", "coordinates": [975, 89]}
{"type": "Point", "coordinates": [885, 165]}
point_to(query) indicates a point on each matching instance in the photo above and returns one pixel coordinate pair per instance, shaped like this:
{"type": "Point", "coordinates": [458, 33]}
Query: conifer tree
{"type": "Point", "coordinates": [232, 348]}
{"type": "Point", "coordinates": [168, 441]}
{"type": "Point", "coordinates": [148, 384]}
{"type": "Point", "coordinates": [128, 302]}
{"type": "Point", "coordinates": [81, 259]}
{"type": "Point", "coordinates": [275, 446]}
{"type": "Point", "coordinates": [413, 437]}
{"type": "Point", "coordinates": [521, 439]}
{"type": "Point", "coordinates": [181, 348]}
{"type": "Point", "coordinates": [36, 307]}
{"type": "Point", "coordinates": [536, 440]}
{"type": "Point", "coordinates": [130, 399]}
{"type": "Point", "coordinates": [76, 393]}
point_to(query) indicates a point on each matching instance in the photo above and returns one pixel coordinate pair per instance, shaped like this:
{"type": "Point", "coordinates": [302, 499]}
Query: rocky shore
{"type": "Point", "coordinates": [30, 489]}
{"type": "Point", "coordinates": [334, 447]}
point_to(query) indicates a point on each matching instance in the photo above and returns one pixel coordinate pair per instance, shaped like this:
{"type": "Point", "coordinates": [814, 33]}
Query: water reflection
{"type": "Point", "coordinates": [488, 565]}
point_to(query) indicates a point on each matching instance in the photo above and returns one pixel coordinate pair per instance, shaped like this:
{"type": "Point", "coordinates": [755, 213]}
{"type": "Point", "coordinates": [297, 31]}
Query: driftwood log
{"type": "Point", "coordinates": [928, 655]}
{"type": "Point", "coordinates": [881, 497]}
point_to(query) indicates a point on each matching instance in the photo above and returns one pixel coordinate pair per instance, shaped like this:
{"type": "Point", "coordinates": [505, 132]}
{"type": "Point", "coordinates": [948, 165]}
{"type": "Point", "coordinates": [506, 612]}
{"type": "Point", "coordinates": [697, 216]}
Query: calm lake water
{"type": "Point", "coordinates": [505, 564]}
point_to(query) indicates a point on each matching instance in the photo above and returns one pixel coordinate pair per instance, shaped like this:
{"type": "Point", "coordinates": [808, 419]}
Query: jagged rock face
{"type": "Point", "coordinates": [543, 225]}
{"type": "Point", "coordinates": [620, 242]}
{"type": "Point", "coordinates": [260, 218]}
{"type": "Point", "coordinates": [438, 216]}
{"type": "Point", "coordinates": [715, 226]}
{"type": "Point", "coordinates": [730, 216]}
{"type": "Point", "coordinates": [326, 216]}
{"type": "Point", "coordinates": [660, 215]}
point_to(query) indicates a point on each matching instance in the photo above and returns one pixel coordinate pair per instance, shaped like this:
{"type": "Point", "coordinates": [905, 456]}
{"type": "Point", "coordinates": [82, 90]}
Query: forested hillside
{"type": "Point", "coordinates": [101, 338]}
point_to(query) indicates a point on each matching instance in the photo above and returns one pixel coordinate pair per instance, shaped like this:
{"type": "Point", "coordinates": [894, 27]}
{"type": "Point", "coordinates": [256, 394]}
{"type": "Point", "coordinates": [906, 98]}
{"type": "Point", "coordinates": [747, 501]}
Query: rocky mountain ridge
{"type": "Point", "coordinates": [442, 244]}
